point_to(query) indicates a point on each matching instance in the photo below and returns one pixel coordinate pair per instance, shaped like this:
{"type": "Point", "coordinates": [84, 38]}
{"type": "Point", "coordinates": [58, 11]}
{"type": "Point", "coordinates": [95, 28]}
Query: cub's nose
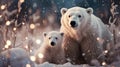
{"type": "Point", "coordinates": [52, 43]}
{"type": "Point", "coordinates": [73, 24]}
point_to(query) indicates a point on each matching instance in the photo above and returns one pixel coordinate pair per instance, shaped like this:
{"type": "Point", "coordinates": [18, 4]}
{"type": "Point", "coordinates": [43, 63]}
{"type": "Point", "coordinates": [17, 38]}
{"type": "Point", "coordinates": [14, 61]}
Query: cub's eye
{"type": "Point", "coordinates": [69, 16]}
{"type": "Point", "coordinates": [79, 16]}
{"type": "Point", "coordinates": [49, 37]}
{"type": "Point", "coordinates": [56, 38]}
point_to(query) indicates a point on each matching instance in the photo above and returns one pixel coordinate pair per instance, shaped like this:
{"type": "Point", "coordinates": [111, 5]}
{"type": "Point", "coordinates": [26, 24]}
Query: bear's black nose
{"type": "Point", "coordinates": [52, 43]}
{"type": "Point", "coordinates": [73, 24]}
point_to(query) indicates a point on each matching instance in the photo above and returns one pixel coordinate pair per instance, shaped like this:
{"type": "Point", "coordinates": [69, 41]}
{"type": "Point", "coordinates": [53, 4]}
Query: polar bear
{"type": "Point", "coordinates": [85, 35]}
{"type": "Point", "coordinates": [51, 50]}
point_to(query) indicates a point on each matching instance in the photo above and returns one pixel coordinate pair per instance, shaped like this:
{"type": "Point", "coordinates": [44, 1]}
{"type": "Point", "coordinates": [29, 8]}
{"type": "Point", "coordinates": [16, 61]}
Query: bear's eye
{"type": "Point", "coordinates": [56, 38]}
{"type": "Point", "coordinates": [69, 16]}
{"type": "Point", "coordinates": [79, 16]}
{"type": "Point", "coordinates": [49, 37]}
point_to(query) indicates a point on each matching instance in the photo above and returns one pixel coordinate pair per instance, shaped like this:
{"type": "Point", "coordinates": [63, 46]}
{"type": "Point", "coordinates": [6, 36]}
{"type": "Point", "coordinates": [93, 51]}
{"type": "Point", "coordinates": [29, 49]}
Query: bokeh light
{"type": "Point", "coordinates": [98, 38]}
{"type": "Point", "coordinates": [26, 38]}
{"type": "Point", "coordinates": [3, 7]}
{"type": "Point", "coordinates": [31, 50]}
{"type": "Point", "coordinates": [8, 42]}
{"type": "Point", "coordinates": [40, 55]}
{"type": "Point", "coordinates": [118, 32]}
{"type": "Point", "coordinates": [103, 63]}
{"type": "Point", "coordinates": [38, 41]}
{"type": "Point", "coordinates": [32, 58]}
{"type": "Point", "coordinates": [8, 23]}
{"type": "Point", "coordinates": [14, 29]}
{"type": "Point", "coordinates": [26, 46]}
{"type": "Point", "coordinates": [106, 51]}
{"type": "Point", "coordinates": [28, 65]}
{"type": "Point", "coordinates": [0, 16]}
{"type": "Point", "coordinates": [23, 23]}
{"type": "Point", "coordinates": [6, 46]}
{"type": "Point", "coordinates": [32, 26]}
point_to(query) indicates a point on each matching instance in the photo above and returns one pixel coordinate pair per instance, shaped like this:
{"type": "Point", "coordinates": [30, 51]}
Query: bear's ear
{"type": "Point", "coordinates": [44, 34]}
{"type": "Point", "coordinates": [62, 34]}
{"type": "Point", "coordinates": [89, 10]}
{"type": "Point", "coordinates": [63, 11]}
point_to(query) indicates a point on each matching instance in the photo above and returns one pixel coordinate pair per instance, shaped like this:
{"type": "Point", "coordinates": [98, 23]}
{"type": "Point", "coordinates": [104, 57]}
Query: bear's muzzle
{"type": "Point", "coordinates": [73, 24]}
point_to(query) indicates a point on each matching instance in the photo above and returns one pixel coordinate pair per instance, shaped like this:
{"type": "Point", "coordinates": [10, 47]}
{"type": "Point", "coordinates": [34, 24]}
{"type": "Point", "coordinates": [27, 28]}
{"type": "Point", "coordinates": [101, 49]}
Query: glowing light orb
{"type": "Point", "coordinates": [83, 54]}
{"type": "Point", "coordinates": [38, 41]}
{"type": "Point", "coordinates": [28, 65]}
{"type": "Point", "coordinates": [32, 58]}
{"type": "Point", "coordinates": [3, 7]}
{"type": "Point", "coordinates": [14, 29]}
{"type": "Point", "coordinates": [103, 63]}
{"type": "Point", "coordinates": [98, 38]}
{"type": "Point", "coordinates": [23, 23]}
{"type": "Point", "coordinates": [32, 26]}
{"type": "Point", "coordinates": [40, 55]}
{"type": "Point", "coordinates": [7, 23]}
{"type": "Point", "coordinates": [26, 38]}
{"type": "Point", "coordinates": [106, 51]}
{"type": "Point", "coordinates": [8, 42]}
{"type": "Point", "coordinates": [26, 46]}
{"type": "Point", "coordinates": [30, 50]}
{"type": "Point", "coordinates": [6, 46]}
{"type": "Point", "coordinates": [118, 32]}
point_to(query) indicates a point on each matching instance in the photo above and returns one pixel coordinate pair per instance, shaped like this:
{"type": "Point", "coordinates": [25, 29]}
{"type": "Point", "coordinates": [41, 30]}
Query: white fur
{"type": "Point", "coordinates": [89, 28]}
{"type": "Point", "coordinates": [51, 52]}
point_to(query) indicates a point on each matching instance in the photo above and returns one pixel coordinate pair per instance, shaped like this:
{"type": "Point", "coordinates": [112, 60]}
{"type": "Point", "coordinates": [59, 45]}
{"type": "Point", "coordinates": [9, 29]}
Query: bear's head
{"type": "Point", "coordinates": [53, 38]}
{"type": "Point", "coordinates": [75, 17]}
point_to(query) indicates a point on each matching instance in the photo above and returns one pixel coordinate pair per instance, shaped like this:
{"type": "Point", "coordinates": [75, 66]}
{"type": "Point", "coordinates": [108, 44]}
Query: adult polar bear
{"type": "Point", "coordinates": [86, 36]}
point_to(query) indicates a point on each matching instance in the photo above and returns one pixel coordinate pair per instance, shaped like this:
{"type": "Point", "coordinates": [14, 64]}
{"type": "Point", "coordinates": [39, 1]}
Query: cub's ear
{"type": "Point", "coordinates": [62, 34]}
{"type": "Point", "coordinates": [44, 34]}
{"type": "Point", "coordinates": [89, 10]}
{"type": "Point", "coordinates": [63, 10]}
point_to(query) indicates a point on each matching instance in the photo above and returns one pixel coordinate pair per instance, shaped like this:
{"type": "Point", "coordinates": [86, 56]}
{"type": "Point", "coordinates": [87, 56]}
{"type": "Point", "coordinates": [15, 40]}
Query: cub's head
{"type": "Point", "coordinates": [75, 16]}
{"type": "Point", "coordinates": [53, 38]}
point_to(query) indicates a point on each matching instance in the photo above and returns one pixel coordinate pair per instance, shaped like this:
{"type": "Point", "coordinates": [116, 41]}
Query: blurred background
{"type": "Point", "coordinates": [22, 22]}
